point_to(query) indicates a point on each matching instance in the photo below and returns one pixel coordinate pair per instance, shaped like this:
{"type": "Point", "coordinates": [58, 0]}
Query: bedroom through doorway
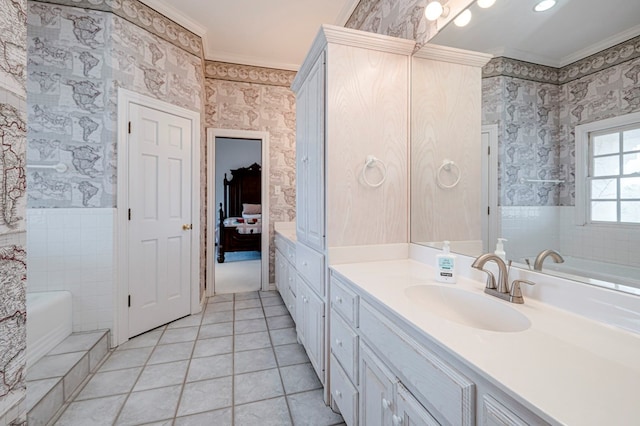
{"type": "Point", "coordinates": [238, 215]}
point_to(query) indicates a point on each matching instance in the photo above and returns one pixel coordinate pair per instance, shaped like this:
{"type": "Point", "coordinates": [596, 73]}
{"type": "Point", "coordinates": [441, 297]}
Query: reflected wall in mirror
{"type": "Point", "coordinates": [552, 74]}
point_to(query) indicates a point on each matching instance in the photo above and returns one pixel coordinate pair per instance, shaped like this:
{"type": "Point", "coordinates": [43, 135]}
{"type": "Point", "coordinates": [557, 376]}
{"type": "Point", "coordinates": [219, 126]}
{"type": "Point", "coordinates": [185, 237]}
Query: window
{"type": "Point", "coordinates": [608, 171]}
{"type": "Point", "coordinates": [614, 175]}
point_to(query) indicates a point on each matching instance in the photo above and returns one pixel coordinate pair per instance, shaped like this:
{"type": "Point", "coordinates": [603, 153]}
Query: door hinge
{"type": "Point", "coordinates": [129, 301]}
{"type": "Point", "coordinates": [129, 214]}
{"type": "Point", "coordinates": [488, 210]}
{"type": "Point", "coordinates": [488, 149]}
{"type": "Point", "coordinates": [129, 127]}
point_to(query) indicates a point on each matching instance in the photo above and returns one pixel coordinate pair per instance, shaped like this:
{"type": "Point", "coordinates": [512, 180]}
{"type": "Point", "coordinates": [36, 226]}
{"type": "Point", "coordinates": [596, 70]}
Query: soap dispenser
{"type": "Point", "coordinates": [446, 265]}
{"type": "Point", "coordinates": [500, 249]}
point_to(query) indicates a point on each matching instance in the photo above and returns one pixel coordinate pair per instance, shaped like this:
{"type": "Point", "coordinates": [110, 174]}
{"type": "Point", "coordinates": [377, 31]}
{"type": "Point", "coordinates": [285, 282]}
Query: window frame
{"type": "Point", "coordinates": [584, 165]}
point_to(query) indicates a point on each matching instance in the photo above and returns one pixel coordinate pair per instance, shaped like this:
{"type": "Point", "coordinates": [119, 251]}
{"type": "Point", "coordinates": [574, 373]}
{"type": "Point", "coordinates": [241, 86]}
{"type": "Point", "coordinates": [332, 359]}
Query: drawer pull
{"type": "Point", "coordinates": [386, 403]}
{"type": "Point", "coordinates": [338, 342]}
{"type": "Point", "coordinates": [397, 420]}
{"type": "Point", "coordinates": [338, 299]}
{"type": "Point", "coordinates": [338, 394]}
{"type": "Point", "coordinates": [304, 263]}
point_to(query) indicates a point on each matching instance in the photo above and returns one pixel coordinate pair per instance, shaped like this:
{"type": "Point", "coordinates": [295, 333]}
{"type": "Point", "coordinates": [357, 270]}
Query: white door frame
{"type": "Point", "coordinates": [212, 134]}
{"type": "Point", "coordinates": [490, 226]}
{"type": "Point", "coordinates": [121, 284]}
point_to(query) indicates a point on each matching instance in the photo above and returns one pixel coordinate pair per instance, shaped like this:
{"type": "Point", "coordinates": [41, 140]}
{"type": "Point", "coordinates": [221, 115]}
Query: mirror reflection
{"type": "Point", "coordinates": [561, 108]}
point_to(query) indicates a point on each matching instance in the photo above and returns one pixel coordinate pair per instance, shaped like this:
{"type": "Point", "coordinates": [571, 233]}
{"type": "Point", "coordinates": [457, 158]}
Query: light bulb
{"type": "Point", "coordinates": [463, 19]}
{"type": "Point", "coordinates": [485, 3]}
{"type": "Point", "coordinates": [544, 5]}
{"type": "Point", "coordinates": [433, 10]}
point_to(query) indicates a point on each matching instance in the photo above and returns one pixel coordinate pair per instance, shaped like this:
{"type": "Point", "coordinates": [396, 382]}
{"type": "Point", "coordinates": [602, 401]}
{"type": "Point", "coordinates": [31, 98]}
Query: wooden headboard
{"type": "Point", "coordinates": [243, 187]}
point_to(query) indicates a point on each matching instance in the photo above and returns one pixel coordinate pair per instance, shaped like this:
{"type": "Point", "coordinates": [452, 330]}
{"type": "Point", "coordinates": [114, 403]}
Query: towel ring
{"type": "Point", "coordinates": [447, 166]}
{"type": "Point", "coordinates": [369, 163]}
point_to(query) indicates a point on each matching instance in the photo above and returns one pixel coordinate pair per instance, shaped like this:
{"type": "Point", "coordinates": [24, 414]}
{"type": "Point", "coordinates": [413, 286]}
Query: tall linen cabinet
{"type": "Point", "coordinates": [352, 101]}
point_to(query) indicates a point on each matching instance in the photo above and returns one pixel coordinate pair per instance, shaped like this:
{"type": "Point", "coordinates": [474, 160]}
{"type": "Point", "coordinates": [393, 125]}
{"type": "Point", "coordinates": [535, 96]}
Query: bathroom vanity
{"type": "Point", "coordinates": [395, 361]}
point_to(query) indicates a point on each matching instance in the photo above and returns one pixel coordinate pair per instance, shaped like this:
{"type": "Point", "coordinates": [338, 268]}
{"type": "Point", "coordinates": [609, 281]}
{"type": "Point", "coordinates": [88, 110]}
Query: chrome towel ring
{"type": "Point", "coordinates": [448, 166]}
{"type": "Point", "coordinates": [371, 162]}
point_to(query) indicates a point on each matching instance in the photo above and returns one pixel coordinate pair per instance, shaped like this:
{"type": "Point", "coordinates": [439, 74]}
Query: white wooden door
{"type": "Point", "coordinates": [160, 218]}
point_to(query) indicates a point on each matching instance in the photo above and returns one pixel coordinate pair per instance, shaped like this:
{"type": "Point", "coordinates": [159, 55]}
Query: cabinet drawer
{"type": "Point", "coordinates": [344, 301]}
{"type": "Point", "coordinates": [310, 265]}
{"type": "Point", "coordinates": [344, 394]}
{"type": "Point", "coordinates": [449, 395]}
{"type": "Point", "coordinates": [344, 345]}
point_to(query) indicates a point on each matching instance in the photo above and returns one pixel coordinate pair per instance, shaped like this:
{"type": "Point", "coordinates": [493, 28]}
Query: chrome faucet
{"type": "Point", "coordinates": [501, 288]}
{"type": "Point", "coordinates": [557, 258]}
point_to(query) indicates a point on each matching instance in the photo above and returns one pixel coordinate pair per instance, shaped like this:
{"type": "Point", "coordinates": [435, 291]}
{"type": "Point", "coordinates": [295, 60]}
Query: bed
{"type": "Point", "coordinates": [240, 226]}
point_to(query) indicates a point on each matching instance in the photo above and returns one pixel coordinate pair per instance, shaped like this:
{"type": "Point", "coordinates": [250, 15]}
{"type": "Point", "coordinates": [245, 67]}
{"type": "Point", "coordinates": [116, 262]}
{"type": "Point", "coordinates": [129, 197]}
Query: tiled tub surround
{"type": "Point", "coordinates": [54, 378]}
{"type": "Point", "coordinates": [531, 229]}
{"type": "Point", "coordinates": [49, 322]}
{"type": "Point", "coordinates": [565, 368]}
{"type": "Point", "coordinates": [238, 363]}
{"type": "Point", "coordinates": [72, 249]}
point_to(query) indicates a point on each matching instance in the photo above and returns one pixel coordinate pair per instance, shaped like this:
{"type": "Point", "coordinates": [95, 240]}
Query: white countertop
{"type": "Point", "coordinates": [569, 368]}
{"type": "Point", "coordinates": [286, 229]}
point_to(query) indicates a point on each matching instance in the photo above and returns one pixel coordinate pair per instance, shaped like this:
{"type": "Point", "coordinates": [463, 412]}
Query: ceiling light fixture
{"type": "Point", "coordinates": [485, 3]}
{"type": "Point", "coordinates": [435, 10]}
{"type": "Point", "coordinates": [543, 5]}
{"type": "Point", "coordinates": [463, 19]}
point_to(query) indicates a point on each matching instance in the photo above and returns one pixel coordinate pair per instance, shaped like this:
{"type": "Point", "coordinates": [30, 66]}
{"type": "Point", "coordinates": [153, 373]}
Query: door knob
{"type": "Point", "coordinates": [186, 227]}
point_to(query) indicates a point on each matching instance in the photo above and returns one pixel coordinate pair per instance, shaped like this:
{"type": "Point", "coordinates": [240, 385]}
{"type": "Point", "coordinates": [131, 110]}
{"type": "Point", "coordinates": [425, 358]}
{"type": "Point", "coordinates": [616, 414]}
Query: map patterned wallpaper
{"type": "Point", "coordinates": [262, 107]}
{"type": "Point", "coordinates": [78, 59]}
{"type": "Point", "coordinates": [537, 108]}
{"type": "Point", "coordinates": [13, 129]}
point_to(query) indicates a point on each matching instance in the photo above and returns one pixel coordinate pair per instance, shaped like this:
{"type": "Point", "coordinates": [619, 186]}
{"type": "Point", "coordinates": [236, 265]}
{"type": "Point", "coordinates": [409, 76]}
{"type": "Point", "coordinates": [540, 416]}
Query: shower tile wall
{"type": "Point", "coordinates": [72, 249]}
{"type": "Point", "coordinates": [529, 230]}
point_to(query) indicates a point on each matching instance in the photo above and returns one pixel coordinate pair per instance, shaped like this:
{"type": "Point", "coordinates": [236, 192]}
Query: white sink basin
{"type": "Point", "coordinates": [471, 309]}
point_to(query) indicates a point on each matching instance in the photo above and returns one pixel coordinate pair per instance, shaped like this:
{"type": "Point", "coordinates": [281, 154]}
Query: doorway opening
{"type": "Point", "coordinates": [238, 211]}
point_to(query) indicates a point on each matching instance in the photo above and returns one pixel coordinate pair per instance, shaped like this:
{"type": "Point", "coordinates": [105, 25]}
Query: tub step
{"type": "Point", "coordinates": [52, 380]}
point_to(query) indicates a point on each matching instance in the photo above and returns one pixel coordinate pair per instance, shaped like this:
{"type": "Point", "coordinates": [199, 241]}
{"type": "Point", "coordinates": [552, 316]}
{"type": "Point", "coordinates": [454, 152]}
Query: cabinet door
{"type": "Point", "coordinates": [314, 331]}
{"type": "Point", "coordinates": [301, 309]}
{"type": "Point", "coordinates": [282, 272]}
{"type": "Point", "coordinates": [376, 390]}
{"type": "Point", "coordinates": [310, 130]}
{"type": "Point", "coordinates": [409, 412]}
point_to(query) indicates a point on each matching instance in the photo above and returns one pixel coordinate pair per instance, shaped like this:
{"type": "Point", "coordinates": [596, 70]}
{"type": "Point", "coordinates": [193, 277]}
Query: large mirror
{"type": "Point", "coordinates": [566, 77]}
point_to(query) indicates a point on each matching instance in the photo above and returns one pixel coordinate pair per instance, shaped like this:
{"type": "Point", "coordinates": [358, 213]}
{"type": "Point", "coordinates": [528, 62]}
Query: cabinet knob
{"type": "Point", "coordinates": [338, 394]}
{"type": "Point", "coordinates": [304, 263]}
{"type": "Point", "coordinates": [338, 342]}
{"type": "Point", "coordinates": [397, 420]}
{"type": "Point", "coordinates": [386, 403]}
{"type": "Point", "coordinates": [338, 299]}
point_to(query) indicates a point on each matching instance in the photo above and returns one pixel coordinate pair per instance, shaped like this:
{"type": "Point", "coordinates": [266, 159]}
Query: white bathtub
{"type": "Point", "coordinates": [601, 273]}
{"type": "Point", "coordinates": [49, 322]}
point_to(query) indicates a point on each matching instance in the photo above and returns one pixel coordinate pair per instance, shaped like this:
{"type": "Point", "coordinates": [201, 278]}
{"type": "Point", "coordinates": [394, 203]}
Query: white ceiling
{"type": "Point", "coordinates": [278, 33]}
{"type": "Point", "coordinates": [572, 30]}
{"type": "Point", "coordinates": [273, 33]}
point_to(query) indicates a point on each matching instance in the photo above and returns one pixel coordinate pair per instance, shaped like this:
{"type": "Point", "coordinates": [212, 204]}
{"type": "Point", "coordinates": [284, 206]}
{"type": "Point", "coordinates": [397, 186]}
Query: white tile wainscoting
{"type": "Point", "coordinates": [73, 250]}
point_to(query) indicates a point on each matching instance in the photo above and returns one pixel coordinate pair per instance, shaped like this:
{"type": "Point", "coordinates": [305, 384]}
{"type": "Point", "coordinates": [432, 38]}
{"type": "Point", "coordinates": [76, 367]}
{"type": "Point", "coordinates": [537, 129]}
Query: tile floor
{"type": "Point", "coordinates": [238, 363]}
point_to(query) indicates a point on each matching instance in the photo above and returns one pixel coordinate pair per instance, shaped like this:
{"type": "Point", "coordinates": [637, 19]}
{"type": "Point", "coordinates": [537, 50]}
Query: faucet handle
{"type": "Point", "coordinates": [515, 295]}
{"type": "Point", "coordinates": [491, 279]}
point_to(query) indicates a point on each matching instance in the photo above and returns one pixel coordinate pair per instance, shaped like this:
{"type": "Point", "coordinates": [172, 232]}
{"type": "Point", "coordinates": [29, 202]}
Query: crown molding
{"type": "Point", "coordinates": [449, 54]}
{"type": "Point", "coordinates": [366, 40]}
{"type": "Point", "coordinates": [600, 46]}
{"type": "Point", "coordinates": [346, 12]}
{"type": "Point", "coordinates": [176, 16]}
